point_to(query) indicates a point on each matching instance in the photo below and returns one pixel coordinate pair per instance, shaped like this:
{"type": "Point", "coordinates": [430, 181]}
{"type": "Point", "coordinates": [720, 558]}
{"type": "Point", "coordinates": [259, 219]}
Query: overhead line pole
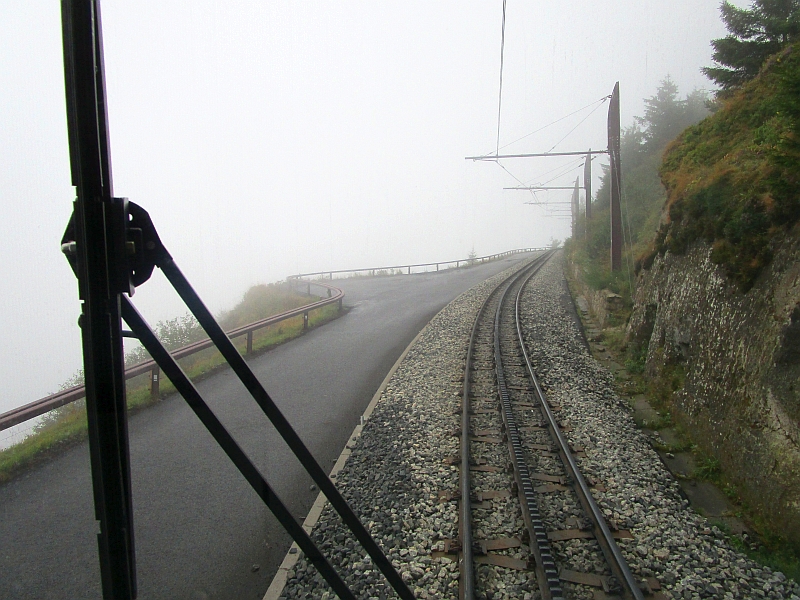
{"type": "Point", "coordinates": [613, 150]}
{"type": "Point", "coordinates": [615, 179]}
{"type": "Point", "coordinates": [575, 201]}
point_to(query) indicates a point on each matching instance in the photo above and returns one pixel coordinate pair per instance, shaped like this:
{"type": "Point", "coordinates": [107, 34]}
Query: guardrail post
{"type": "Point", "coordinates": [329, 292]}
{"type": "Point", "coordinates": [409, 270]}
{"type": "Point", "coordinates": [305, 320]}
{"type": "Point", "coordinates": [340, 305]}
{"type": "Point", "coordinates": [437, 267]}
{"type": "Point", "coordinates": [249, 342]}
{"type": "Point", "coordinates": [154, 376]}
{"type": "Point", "coordinates": [458, 262]}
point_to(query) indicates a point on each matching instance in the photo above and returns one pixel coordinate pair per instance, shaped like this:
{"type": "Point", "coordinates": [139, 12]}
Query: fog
{"type": "Point", "coordinates": [270, 138]}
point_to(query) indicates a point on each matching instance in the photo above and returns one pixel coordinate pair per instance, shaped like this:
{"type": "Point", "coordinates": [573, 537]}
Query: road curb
{"type": "Point", "coordinates": [279, 580]}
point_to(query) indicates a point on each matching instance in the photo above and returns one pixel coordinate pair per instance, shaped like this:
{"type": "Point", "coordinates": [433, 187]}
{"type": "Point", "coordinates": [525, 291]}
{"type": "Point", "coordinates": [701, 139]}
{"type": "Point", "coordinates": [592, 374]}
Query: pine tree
{"type": "Point", "coordinates": [666, 115]}
{"type": "Point", "coordinates": [755, 34]}
{"type": "Point", "coordinates": [663, 115]}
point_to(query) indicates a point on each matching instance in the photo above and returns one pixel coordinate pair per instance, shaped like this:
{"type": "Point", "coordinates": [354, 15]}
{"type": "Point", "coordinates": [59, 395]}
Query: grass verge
{"type": "Point", "coordinates": [67, 425]}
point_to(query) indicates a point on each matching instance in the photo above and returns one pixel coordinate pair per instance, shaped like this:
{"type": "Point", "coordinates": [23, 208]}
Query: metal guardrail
{"type": "Point", "coordinates": [64, 397]}
{"type": "Point", "coordinates": [48, 403]}
{"type": "Point", "coordinates": [407, 268]}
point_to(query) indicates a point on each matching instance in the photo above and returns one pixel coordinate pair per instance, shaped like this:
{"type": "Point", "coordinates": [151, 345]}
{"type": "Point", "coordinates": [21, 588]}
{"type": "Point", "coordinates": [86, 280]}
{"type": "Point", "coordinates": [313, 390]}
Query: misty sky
{"type": "Point", "coordinates": [268, 138]}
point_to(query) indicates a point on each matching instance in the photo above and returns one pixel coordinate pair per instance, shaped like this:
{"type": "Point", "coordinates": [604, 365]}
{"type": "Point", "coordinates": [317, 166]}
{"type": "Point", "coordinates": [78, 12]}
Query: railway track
{"type": "Point", "coordinates": [402, 473]}
{"type": "Point", "coordinates": [524, 504]}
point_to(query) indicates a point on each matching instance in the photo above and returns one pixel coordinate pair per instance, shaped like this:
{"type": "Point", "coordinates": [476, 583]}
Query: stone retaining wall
{"type": "Point", "coordinates": [601, 303]}
{"type": "Point", "coordinates": [738, 359]}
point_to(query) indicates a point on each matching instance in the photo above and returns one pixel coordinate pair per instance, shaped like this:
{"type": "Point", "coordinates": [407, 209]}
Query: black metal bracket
{"type": "Point", "coordinates": [134, 245]}
{"type": "Point", "coordinates": [162, 259]}
{"type": "Point", "coordinates": [183, 384]}
{"type": "Point", "coordinates": [112, 246]}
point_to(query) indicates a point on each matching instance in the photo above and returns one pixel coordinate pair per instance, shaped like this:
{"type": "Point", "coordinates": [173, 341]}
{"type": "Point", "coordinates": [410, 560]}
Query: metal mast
{"type": "Point", "coordinates": [615, 180]}
{"type": "Point", "coordinates": [587, 183]}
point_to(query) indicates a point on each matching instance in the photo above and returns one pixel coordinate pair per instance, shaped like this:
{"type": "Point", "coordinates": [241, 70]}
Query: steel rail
{"type": "Point", "coordinates": [44, 405]}
{"type": "Point", "coordinates": [546, 569]}
{"type": "Point", "coordinates": [605, 539]}
{"type": "Point", "coordinates": [466, 557]}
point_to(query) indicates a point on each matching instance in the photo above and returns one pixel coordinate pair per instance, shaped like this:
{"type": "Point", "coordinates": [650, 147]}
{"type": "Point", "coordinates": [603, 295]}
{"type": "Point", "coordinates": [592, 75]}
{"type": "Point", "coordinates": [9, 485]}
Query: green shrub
{"type": "Point", "coordinates": [733, 179]}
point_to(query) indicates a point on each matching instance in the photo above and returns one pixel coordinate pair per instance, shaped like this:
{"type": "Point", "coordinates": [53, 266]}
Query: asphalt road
{"type": "Point", "coordinates": [200, 530]}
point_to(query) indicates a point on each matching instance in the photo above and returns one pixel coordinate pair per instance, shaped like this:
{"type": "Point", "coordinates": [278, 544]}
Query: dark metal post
{"type": "Point", "coordinates": [616, 180]}
{"type": "Point", "coordinates": [587, 184]}
{"type": "Point", "coordinates": [305, 321]}
{"type": "Point", "coordinates": [249, 342]}
{"type": "Point", "coordinates": [99, 250]}
{"type": "Point", "coordinates": [154, 383]}
{"type": "Point", "coordinates": [575, 201]}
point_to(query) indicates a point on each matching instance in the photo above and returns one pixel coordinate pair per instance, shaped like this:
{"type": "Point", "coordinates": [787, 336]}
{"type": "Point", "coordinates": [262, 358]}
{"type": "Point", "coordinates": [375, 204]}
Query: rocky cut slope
{"type": "Point", "coordinates": [735, 361]}
{"type": "Point", "coordinates": [717, 306]}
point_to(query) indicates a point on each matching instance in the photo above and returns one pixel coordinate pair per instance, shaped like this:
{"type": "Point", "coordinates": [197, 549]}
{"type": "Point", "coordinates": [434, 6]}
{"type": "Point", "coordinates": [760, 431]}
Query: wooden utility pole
{"type": "Point", "coordinates": [615, 180]}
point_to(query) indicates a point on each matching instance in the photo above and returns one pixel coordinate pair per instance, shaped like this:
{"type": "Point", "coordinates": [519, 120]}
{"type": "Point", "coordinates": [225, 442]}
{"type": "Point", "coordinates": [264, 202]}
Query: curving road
{"type": "Point", "coordinates": [201, 532]}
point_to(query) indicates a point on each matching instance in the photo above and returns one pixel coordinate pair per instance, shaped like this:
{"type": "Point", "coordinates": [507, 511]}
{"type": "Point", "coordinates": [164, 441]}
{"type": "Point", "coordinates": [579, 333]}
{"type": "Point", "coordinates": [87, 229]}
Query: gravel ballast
{"type": "Point", "coordinates": [398, 466]}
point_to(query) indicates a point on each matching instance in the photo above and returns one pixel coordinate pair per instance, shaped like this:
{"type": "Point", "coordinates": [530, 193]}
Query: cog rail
{"type": "Point", "coordinates": [545, 471]}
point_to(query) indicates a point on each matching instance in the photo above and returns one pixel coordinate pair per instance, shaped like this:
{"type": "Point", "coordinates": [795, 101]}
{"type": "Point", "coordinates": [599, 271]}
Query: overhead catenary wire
{"type": "Point", "coordinates": [572, 164]}
{"type": "Point", "coordinates": [567, 168]}
{"type": "Point", "coordinates": [556, 121]}
{"type": "Point", "coordinates": [562, 170]}
{"type": "Point", "coordinates": [517, 179]}
{"type": "Point", "coordinates": [500, 95]}
{"type": "Point", "coordinates": [576, 126]}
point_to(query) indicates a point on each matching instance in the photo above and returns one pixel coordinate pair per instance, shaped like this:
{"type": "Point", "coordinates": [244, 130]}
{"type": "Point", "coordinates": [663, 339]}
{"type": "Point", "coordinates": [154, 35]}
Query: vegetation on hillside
{"type": "Point", "coordinates": [732, 180]}
{"type": "Point", "coordinates": [259, 302]}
